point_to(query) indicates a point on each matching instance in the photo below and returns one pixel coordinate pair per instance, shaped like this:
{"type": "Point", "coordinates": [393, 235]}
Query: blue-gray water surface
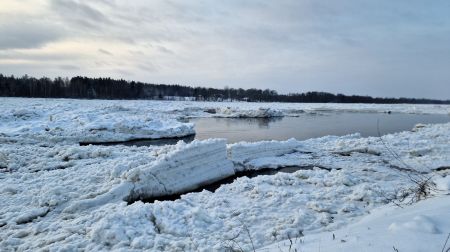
{"type": "Point", "coordinates": [309, 125]}
{"type": "Point", "coordinates": [302, 127]}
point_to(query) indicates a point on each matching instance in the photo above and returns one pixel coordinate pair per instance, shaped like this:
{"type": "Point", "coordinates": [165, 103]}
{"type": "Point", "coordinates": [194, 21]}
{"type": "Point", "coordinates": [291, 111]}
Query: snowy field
{"type": "Point", "coordinates": [59, 196]}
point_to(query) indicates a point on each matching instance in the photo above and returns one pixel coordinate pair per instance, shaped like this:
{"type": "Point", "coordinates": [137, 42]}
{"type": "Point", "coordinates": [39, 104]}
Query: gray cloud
{"type": "Point", "coordinates": [80, 13]}
{"type": "Point", "coordinates": [25, 35]}
{"type": "Point", "coordinates": [40, 57]}
{"type": "Point", "coordinates": [69, 67]}
{"type": "Point", "coordinates": [164, 49]}
{"type": "Point", "coordinates": [103, 51]}
{"type": "Point", "coordinates": [148, 67]}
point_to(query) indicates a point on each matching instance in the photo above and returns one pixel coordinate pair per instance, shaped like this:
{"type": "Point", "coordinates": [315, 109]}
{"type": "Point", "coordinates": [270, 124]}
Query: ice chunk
{"type": "Point", "coordinates": [31, 215]}
{"type": "Point", "coordinates": [185, 168]}
{"type": "Point", "coordinates": [3, 161]}
{"type": "Point", "coordinates": [244, 152]}
{"type": "Point", "coordinates": [443, 183]}
{"type": "Point", "coordinates": [248, 113]}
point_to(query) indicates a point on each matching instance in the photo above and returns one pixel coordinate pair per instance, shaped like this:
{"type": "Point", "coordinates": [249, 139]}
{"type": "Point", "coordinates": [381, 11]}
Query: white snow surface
{"type": "Point", "coordinates": [420, 227]}
{"type": "Point", "coordinates": [59, 196]}
{"type": "Point", "coordinates": [56, 121]}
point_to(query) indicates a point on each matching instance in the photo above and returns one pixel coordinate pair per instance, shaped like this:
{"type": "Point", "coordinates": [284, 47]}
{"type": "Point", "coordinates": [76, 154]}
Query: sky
{"type": "Point", "coordinates": [380, 48]}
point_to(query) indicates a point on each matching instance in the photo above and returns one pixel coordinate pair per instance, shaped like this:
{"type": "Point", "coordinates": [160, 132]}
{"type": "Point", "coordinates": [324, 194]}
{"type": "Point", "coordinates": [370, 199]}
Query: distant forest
{"type": "Point", "coordinates": [107, 88]}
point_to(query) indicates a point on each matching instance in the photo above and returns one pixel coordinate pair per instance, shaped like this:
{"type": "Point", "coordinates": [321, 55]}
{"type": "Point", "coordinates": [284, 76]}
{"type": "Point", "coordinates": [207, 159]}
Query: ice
{"type": "Point", "coordinates": [260, 112]}
{"type": "Point", "coordinates": [243, 152]}
{"type": "Point", "coordinates": [90, 121]}
{"type": "Point", "coordinates": [3, 161]}
{"type": "Point", "coordinates": [114, 229]}
{"type": "Point", "coordinates": [31, 215]}
{"type": "Point", "coordinates": [57, 195]}
{"type": "Point", "coordinates": [187, 167]}
{"type": "Point", "coordinates": [443, 183]}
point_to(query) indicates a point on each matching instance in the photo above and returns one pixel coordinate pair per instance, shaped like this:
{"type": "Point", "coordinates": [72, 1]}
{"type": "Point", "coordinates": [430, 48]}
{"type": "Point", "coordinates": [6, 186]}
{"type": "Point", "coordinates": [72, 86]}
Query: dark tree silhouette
{"type": "Point", "coordinates": [107, 88]}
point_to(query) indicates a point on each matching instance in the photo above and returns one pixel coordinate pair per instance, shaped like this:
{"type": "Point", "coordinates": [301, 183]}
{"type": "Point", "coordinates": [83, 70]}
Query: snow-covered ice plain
{"type": "Point", "coordinates": [57, 195]}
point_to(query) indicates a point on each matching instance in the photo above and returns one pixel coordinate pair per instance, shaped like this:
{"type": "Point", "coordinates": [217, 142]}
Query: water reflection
{"type": "Point", "coordinates": [305, 126]}
{"type": "Point", "coordinates": [308, 125]}
{"type": "Point", "coordinates": [262, 123]}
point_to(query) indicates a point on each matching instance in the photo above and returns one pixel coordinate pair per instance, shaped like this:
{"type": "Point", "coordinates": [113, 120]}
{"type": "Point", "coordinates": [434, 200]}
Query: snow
{"type": "Point", "coordinates": [88, 121]}
{"type": "Point", "coordinates": [57, 195]}
{"type": "Point", "coordinates": [420, 227]}
{"type": "Point", "coordinates": [443, 183]}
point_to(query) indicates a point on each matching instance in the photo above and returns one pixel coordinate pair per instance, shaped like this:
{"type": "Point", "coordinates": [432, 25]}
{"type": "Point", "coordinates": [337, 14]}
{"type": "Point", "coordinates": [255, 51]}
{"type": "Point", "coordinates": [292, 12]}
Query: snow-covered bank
{"type": "Point", "coordinates": [424, 226]}
{"type": "Point", "coordinates": [43, 188]}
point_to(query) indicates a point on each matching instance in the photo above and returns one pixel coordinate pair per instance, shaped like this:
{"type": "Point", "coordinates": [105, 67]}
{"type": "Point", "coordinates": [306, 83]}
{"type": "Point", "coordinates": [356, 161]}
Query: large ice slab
{"type": "Point", "coordinates": [182, 168]}
{"type": "Point", "coordinates": [187, 167]}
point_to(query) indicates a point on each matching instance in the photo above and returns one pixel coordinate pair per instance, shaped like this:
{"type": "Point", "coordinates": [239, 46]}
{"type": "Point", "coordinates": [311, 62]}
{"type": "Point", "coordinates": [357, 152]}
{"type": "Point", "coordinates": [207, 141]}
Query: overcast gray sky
{"type": "Point", "coordinates": [377, 47]}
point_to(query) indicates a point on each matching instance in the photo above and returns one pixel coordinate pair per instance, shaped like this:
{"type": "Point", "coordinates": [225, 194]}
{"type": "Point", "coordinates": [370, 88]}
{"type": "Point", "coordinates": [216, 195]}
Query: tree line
{"type": "Point", "coordinates": [107, 88]}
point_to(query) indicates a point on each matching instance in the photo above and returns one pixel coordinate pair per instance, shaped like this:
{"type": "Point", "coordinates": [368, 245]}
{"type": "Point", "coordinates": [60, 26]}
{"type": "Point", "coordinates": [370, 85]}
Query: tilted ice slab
{"type": "Point", "coordinates": [184, 168]}
{"type": "Point", "coordinates": [187, 167]}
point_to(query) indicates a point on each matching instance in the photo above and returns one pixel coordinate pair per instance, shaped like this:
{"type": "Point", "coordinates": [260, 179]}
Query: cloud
{"type": "Point", "coordinates": [148, 67]}
{"type": "Point", "coordinates": [80, 13]}
{"type": "Point", "coordinates": [164, 49]}
{"type": "Point", "coordinates": [69, 67]}
{"type": "Point", "coordinates": [25, 35]}
{"type": "Point", "coordinates": [103, 51]}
